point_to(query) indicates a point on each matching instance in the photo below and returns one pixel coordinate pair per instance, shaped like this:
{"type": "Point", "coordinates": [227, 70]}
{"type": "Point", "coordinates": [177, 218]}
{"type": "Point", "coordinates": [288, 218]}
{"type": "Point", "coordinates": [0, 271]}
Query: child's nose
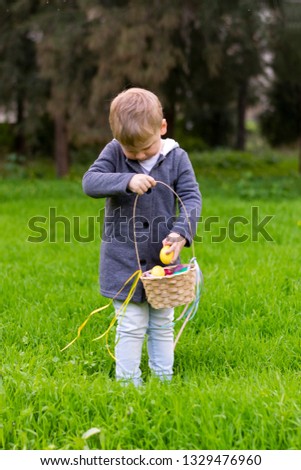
{"type": "Point", "coordinates": [140, 155]}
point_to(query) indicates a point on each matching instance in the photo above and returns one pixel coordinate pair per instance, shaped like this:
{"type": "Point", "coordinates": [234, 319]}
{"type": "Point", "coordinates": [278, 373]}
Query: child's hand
{"type": "Point", "coordinates": [176, 242]}
{"type": "Point", "coordinates": [141, 183]}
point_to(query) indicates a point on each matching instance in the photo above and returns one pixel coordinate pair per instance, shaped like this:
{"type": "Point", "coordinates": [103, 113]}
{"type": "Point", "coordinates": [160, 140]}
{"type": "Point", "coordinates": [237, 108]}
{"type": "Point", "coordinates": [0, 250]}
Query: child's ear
{"type": "Point", "coordinates": [163, 129]}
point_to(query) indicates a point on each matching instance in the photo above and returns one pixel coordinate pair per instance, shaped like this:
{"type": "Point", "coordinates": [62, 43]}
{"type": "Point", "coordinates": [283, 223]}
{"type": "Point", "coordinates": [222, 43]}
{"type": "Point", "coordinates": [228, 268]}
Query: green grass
{"type": "Point", "coordinates": [237, 382]}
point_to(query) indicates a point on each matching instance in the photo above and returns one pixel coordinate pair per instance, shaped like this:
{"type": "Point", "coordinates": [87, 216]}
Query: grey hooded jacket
{"type": "Point", "coordinates": [156, 213]}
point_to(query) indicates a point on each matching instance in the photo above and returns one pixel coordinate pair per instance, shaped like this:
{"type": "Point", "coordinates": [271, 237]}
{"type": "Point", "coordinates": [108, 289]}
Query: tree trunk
{"type": "Point", "coordinates": [169, 114]}
{"type": "Point", "coordinates": [241, 116]}
{"type": "Point", "coordinates": [20, 139]}
{"type": "Point", "coordinates": [61, 150]}
{"type": "Point", "coordinates": [299, 166]}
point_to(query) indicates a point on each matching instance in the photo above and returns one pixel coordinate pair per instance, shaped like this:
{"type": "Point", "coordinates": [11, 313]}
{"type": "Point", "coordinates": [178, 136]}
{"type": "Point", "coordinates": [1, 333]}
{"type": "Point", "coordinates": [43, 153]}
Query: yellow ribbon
{"type": "Point", "coordinates": [136, 276]}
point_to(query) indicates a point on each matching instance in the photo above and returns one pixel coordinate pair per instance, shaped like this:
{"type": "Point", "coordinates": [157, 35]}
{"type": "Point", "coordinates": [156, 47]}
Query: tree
{"type": "Point", "coordinates": [227, 44]}
{"type": "Point", "coordinates": [65, 62]}
{"type": "Point", "coordinates": [133, 41]}
{"type": "Point", "coordinates": [244, 48]}
{"type": "Point", "coordinates": [21, 89]}
{"type": "Point", "coordinates": [71, 58]}
{"type": "Point", "coordinates": [281, 122]}
{"type": "Point", "coordinates": [174, 48]}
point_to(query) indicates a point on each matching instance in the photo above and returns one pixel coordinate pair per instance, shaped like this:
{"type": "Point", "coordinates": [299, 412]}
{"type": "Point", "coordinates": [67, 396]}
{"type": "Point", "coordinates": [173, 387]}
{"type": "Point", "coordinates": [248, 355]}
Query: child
{"type": "Point", "coordinates": [131, 164]}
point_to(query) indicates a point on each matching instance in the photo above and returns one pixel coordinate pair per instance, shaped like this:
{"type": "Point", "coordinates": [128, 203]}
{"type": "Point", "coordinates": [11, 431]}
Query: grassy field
{"type": "Point", "coordinates": [237, 382]}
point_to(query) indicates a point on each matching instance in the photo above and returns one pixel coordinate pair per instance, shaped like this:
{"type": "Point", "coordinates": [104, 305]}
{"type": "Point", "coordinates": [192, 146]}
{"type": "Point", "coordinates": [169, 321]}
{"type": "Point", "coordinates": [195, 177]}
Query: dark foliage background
{"type": "Point", "coordinates": [62, 61]}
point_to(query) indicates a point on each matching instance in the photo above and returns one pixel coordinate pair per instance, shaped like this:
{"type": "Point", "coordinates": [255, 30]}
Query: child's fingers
{"type": "Point", "coordinates": [150, 179]}
{"type": "Point", "coordinates": [147, 182]}
{"type": "Point", "coordinates": [141, 183]}
{"type": "Point", "coordinates": [176, 252]}
{"type": "Point", "coordinates": [171, 248]}
{"type": "Point", "coordinates": [175, 243]}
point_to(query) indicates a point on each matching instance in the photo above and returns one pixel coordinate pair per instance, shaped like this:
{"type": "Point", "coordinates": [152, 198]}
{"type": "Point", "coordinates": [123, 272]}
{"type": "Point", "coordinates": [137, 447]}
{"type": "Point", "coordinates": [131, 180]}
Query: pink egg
{"type": "Point", "coordinates": [168, 272]}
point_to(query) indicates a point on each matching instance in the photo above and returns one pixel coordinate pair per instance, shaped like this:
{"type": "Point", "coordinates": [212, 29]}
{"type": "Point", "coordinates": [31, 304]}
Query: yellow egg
{"type": "Point", "coordinates": [157, 271]}
{"type": "Point", "coordinates": [166, 258]}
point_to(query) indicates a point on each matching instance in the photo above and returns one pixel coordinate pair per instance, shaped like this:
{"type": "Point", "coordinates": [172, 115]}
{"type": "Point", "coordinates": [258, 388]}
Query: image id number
{"type": "Point", "coordinates": [223, 459]}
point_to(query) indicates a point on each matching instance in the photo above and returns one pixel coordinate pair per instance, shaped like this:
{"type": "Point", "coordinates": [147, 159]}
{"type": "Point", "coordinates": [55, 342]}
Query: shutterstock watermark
{"type": "Point", "coordinates": [55, 228]}
{"type": "Point", "coordinates": [255, 227]}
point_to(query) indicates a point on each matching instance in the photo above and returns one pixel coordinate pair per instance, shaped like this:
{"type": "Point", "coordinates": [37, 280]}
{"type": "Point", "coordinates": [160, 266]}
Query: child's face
{"type": "Point", "coordinates": [148, 149]}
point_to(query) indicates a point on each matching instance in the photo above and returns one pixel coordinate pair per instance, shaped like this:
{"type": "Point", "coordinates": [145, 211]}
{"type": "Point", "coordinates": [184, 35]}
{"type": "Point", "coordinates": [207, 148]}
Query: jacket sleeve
{"type": "Point", "coordinates": [188, 190]}
{"type": "Point", "coordinates": [102, 180]}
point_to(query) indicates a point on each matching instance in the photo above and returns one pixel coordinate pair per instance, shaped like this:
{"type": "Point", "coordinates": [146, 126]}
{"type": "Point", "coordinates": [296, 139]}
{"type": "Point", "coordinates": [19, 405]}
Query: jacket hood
{"type": "Point", "coordinates": [168, 145]}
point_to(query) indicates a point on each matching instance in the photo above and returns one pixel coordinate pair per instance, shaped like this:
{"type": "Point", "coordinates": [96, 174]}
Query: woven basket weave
{"type": "Point", "coordinates": [170, 291]}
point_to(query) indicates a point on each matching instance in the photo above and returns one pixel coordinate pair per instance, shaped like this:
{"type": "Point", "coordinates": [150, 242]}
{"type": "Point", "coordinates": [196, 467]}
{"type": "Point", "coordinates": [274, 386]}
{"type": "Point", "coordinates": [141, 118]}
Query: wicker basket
{"type": "Point", "coordinates": [170, 291]}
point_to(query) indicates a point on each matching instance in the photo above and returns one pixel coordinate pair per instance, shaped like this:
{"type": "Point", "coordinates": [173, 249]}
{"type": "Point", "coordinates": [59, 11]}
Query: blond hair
{"type": "Point", "coordinates": [135, 114]}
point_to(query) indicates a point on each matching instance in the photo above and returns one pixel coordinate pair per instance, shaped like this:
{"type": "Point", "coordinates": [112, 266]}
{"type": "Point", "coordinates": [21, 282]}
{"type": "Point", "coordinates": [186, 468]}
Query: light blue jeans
{"type": "Point", "coordinates": [141, 319]}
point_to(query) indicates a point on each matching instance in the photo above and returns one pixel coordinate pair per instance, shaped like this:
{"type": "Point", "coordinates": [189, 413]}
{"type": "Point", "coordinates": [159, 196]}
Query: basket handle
{"type": "Point", "coordinates": [185, 212]}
